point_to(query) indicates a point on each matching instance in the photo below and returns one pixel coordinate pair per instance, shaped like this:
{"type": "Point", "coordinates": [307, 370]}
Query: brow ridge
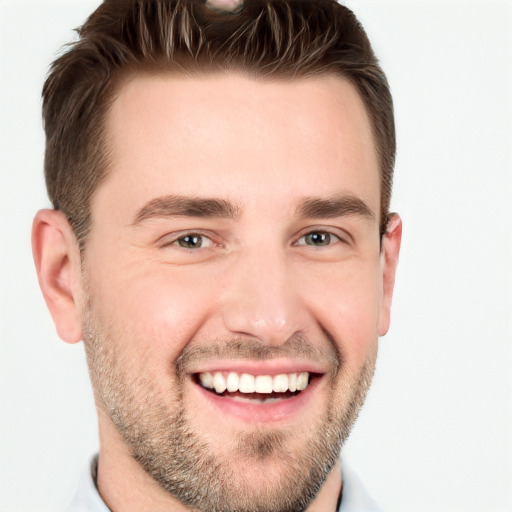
{"type": "Point", "coordinates": [311, 207]}
{"type": "Point", "coordinates": [332, 207]}
{"type": "Point", "coordinates": [176, 205]}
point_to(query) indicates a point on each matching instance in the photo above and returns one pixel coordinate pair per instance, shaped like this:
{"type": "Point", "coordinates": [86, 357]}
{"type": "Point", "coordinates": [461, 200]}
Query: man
{"type": "Point", "coordinates": [221, 242]}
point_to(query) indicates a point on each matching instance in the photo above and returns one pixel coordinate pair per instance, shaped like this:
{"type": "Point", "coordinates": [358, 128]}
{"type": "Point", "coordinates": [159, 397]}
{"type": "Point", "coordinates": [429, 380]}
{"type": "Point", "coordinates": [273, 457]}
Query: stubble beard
{"type": "Point", "coordinates": [162, 440]}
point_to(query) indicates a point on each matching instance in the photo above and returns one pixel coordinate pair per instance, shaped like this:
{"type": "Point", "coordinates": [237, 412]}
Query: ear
{"type": "Point", "coordinates": [390, 251]}
{"type": "Point", "coordinates": [57, 260]}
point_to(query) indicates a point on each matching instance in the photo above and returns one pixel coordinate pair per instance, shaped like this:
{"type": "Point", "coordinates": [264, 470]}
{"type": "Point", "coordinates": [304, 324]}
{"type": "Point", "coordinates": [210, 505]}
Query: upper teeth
{"type": "Point", "coordinates": [246, 383]}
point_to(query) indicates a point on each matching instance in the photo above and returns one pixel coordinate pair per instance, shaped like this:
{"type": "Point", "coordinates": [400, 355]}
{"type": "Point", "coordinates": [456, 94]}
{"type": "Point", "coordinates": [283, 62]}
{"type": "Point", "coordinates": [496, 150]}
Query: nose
{"type": "Point", "coordinates": [261, 298]}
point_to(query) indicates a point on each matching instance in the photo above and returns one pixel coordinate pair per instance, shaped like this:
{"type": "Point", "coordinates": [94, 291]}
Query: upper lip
{"type": "Point", "coordinates": [265, 367]}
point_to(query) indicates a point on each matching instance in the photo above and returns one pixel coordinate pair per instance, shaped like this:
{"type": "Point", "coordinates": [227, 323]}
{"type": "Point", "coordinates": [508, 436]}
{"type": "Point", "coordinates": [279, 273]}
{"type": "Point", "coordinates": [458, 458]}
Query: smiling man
{"type": "Point", "coordinates": [221, 243]}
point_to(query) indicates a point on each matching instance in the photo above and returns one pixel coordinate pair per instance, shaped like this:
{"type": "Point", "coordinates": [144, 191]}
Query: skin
{"type": "Point", "coordinates": [264, 148]}
{"type": "Point", "coordinates": [225, 5]}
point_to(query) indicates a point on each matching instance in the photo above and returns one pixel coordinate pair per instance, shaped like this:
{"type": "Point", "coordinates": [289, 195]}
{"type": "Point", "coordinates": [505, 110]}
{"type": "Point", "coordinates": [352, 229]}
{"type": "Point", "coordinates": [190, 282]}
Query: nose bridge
{"type": "Point", "coordinates": [261, 299]}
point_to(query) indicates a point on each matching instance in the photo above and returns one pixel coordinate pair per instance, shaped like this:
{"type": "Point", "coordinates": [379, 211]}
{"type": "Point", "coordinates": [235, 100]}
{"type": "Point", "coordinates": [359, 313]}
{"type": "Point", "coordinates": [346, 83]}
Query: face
{"type": "Point", "coordinates": [234, 284]}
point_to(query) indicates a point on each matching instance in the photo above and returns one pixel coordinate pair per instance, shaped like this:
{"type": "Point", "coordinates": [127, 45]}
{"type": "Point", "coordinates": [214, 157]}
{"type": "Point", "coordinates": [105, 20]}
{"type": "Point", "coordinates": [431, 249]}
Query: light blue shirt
{"type": "Point", "coordinates": [355, 497]}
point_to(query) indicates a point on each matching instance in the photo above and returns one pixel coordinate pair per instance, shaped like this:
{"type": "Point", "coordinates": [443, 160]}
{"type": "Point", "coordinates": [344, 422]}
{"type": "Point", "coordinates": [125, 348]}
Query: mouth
{"type": "Point", "coordinates": [255, 389]}
{"type": "Point", "coordinates": [248, 392]}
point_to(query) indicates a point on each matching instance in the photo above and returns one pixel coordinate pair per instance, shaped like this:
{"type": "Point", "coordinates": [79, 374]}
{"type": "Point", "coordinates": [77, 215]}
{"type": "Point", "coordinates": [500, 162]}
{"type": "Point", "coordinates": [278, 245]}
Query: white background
{"type": "Point", "coordinates": [436, 432]}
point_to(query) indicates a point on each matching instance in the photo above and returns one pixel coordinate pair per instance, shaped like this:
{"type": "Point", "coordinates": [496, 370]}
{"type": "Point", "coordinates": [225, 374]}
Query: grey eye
{"type": "Point", "coordinates": [317, 238]}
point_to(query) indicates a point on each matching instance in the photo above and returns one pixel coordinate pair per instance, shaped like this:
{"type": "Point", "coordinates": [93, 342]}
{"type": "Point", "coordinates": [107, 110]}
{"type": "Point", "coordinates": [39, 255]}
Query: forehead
{"type": "Point", "coordinates": [228, 135]}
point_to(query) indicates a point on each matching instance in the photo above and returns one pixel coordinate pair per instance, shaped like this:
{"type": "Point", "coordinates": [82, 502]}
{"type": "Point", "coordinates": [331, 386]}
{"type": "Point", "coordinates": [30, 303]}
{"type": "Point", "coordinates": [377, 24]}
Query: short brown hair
{"type": "Point", "coordinates": [265, 38]}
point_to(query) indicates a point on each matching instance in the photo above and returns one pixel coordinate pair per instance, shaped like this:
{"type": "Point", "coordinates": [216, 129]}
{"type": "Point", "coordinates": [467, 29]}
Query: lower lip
{"type": "Point", "coordinates": [266, 412]}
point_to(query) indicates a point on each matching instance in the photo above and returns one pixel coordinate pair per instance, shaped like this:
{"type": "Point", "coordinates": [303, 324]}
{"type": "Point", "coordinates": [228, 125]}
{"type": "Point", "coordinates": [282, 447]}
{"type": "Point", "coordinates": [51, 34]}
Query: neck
{"type": "Point", "coordinates": [122, 482]}
{"type": "Point", "coordinates": [327, 498]}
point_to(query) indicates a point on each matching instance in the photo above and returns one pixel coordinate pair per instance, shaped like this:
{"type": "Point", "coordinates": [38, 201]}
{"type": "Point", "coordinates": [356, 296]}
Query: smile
{"type": "Point", "coordinates": [247, 383]}
{"type": "Point", "coordinates": [258, 392]}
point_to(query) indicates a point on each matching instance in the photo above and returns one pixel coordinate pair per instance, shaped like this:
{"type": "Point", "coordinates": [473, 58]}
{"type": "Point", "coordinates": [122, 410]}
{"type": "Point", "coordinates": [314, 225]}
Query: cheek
{"type": "Point", "coordinates": [159, 311]}
{"type": "Point", "coordinates": [349, 309]}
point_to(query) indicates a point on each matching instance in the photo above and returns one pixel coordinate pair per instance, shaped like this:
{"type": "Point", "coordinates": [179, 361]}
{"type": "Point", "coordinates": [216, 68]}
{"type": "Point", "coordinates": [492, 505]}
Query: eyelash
{"type": "Point", "coordinates": [331, 239]}
{"type": "Point", "coordinates": [329, 236]}
{"type": "Point", "coordinates": [191, 234]}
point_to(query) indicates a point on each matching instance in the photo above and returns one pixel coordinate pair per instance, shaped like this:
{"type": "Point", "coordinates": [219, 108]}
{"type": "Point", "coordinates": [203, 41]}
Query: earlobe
{"type": "Point", "coordinates": [389, 253]}
{"type": "Point", "coordinates": [57, 260]}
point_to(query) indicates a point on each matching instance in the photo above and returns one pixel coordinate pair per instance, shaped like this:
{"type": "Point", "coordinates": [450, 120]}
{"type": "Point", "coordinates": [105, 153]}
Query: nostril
{"type": "Point", "coordinates": [261, 325]}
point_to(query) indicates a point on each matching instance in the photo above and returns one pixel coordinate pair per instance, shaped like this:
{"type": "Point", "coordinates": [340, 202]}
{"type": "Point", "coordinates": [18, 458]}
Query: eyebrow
{"type": "Point", "coordinates": [339, 206]}
{"type": "Point", "coordinates": [184, 206]}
